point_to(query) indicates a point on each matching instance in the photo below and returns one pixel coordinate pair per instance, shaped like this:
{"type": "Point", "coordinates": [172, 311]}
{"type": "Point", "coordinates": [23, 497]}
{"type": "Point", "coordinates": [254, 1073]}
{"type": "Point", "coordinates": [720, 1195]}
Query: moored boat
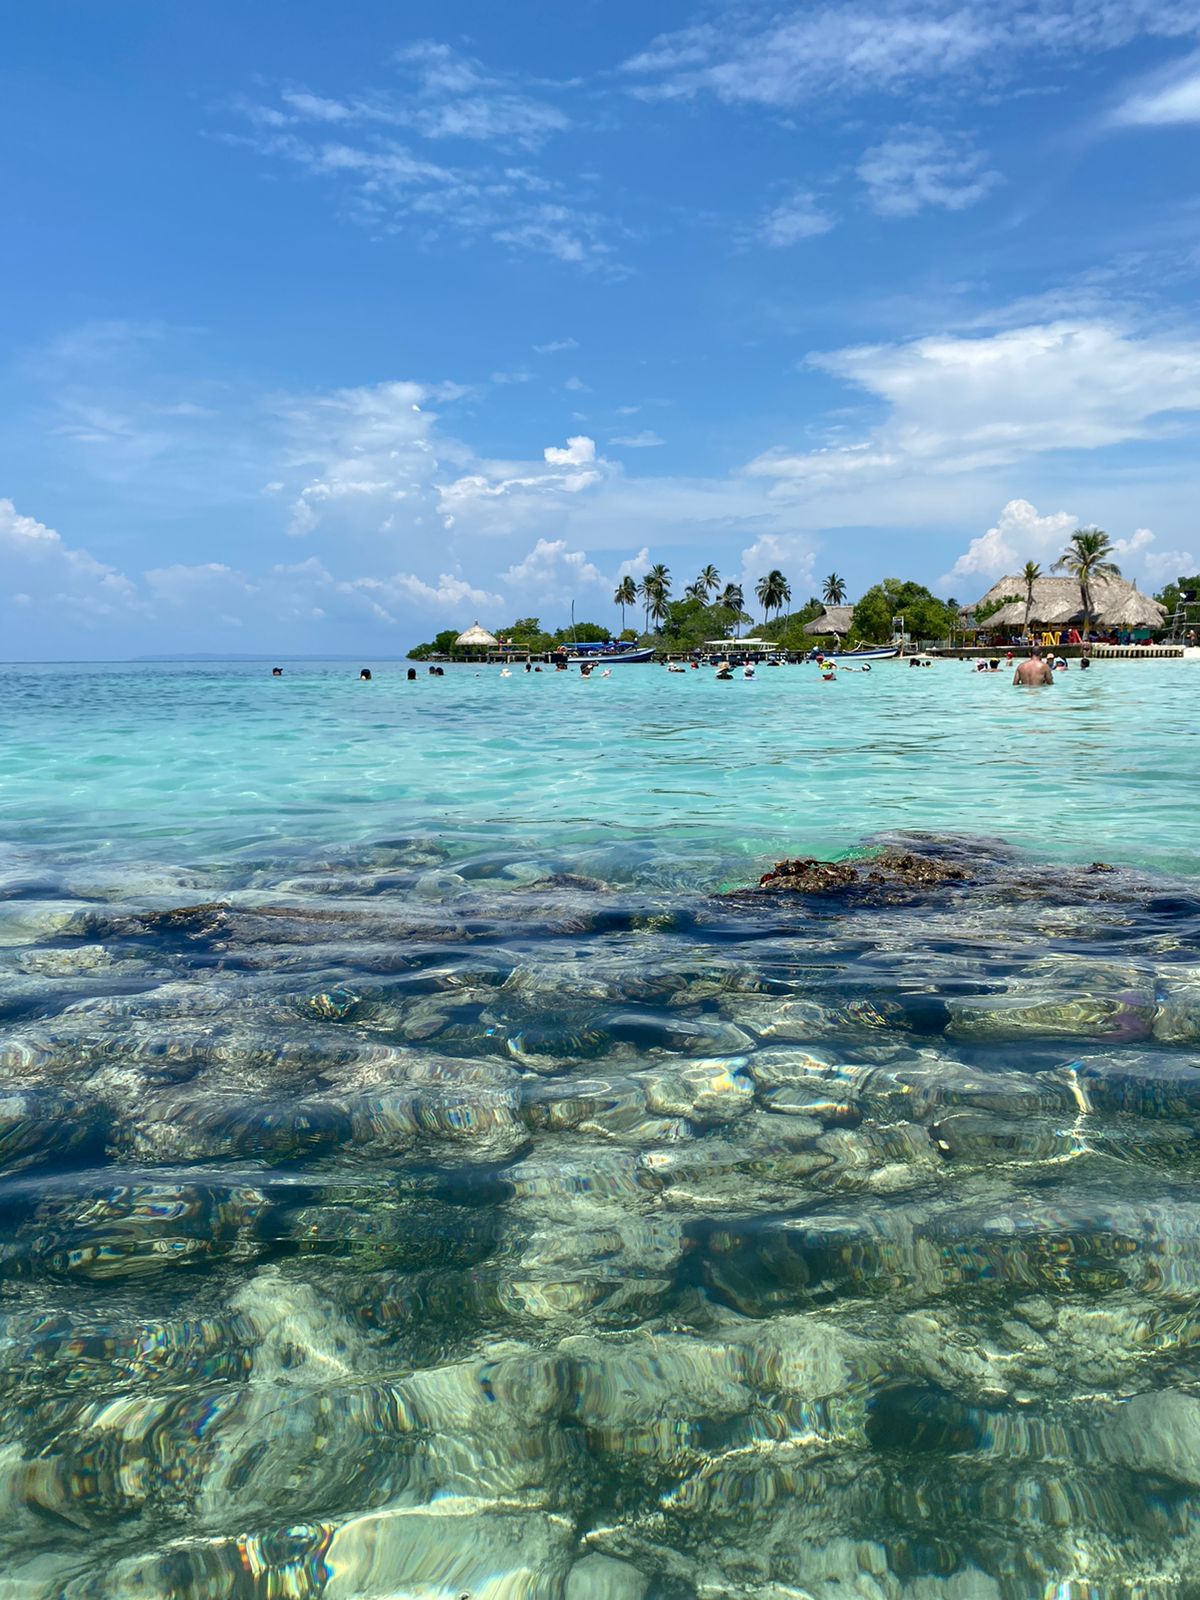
{"type": "Point", "coordinates": [879, 653]}
{"type": "Point", "coordinates": [610, 657]}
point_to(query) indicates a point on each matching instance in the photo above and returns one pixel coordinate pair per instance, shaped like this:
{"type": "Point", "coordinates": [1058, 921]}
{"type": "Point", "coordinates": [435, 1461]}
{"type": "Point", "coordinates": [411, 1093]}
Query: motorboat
{"type": "Point", "coordinates": [874, 653]}
{"type": "Point", "coordinates": [611, 655]}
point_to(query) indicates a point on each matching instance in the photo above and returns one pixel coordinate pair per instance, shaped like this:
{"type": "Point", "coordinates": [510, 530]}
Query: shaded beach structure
{"type": "Point", "coordinates": [476, 638]}
{"type": "Point", "coordinates": [1057, 603]}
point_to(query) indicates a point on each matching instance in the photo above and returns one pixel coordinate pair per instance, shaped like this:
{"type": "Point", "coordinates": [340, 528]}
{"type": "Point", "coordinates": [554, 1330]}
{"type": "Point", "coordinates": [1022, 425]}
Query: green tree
{"type": "Point", "coordinates": [1087, 557]}
{"type": "Point", "coordinates": [709, 580]}
{"type": "Point", "coordinates": [788, 632]}
{"type": "Point", "coordinates": [655, 589]}
{"type": "Point", "coordinates": [732, 599]}
{"type": "Point", "coordinates": [696, 591]}
{"type": "Point", "coordinates": [925, 616]}
{"type": "Point", "coordinates": [1172, 598]}
{"type": "Point", "coordinates": [624, 595]}
{"type": "Point", "coordinates": [1031, 573]}
{"type": "Point", "coordinates": [834, 590]}
{"type": "Point", "coordinates": [983, 612]}
{"type": "Point", "coordinates": [583, 632]}
{"type": "Point", "coordinates": [773, 592]}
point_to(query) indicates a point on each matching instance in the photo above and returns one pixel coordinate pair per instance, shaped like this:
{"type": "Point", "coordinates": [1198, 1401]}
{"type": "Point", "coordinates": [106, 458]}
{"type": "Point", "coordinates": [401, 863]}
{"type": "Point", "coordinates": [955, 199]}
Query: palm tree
{"type": "Point", "coordinates": [1085, 558]}
{"type": "Point", "coordinates": [834, 592]}
{"type": "Point", "coordinates": [773, 592]}
{"type": "Point", "coordinates": [625, 594]}
{"type": "Point", "coordinates": [645, 590]}
{"type": "Point", "coordinates": [654, 590]}
{"type": "Point", "coordinates": [696, 591]}
{"type": "Point", "coordinates": [709, 580]}
{"type": "Point", "coordinates": [732, 598]}
{"type": "Point", "coordinates": [1031, 575]}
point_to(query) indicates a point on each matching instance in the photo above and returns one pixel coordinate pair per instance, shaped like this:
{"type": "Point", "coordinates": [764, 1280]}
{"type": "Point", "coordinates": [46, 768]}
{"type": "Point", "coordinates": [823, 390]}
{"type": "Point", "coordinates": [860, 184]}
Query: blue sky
{"type": "Point", "coordinates": [324, 328]}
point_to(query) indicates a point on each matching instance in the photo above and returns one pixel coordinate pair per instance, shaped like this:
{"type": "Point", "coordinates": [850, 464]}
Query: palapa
{"type": "Point", "coordinates": [478, 637]}
{"type": "Point", "coordinates": [1058, 602]}
{"type": "Point", "coordinates": [834, 619]}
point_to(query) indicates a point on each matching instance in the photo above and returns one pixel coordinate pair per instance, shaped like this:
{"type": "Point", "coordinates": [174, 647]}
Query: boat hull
{"type": "Point", "coordinates": [624, 659]}
{"type": "Point", "coordinates": [886, 654]}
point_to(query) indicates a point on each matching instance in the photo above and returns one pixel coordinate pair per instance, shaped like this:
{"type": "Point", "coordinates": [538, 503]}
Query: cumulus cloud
{"type": "Point", "coordinates": [957, 404]}
{"type": "Point", "coordinates": [552, 572]}
{"type": "Point", "coordinates": [918, 167]}
{"type": "Point", "coordinates": [371, 447]}
{"type": "Point", "coordinates": [579, 451]}
{"type": "Point", "coordinates": [36, 561]}
{"type": "Point", "coordinates": [1020, 534]}
{"type": "Point", "coordinates": [796, 218]}
{"type": "Point", "coordinates": [1164, 566]}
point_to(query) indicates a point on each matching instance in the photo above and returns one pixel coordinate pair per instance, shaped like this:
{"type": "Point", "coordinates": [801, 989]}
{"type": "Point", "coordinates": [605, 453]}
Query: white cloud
{"type": "Point", "coordinates": [579, 451]}
{"type": "Point", "coordinates": [805, 52]}
{"type": "Point", "coordinates": [556, 346]}
{"type": "Point", "coordinates": [183, 585]}
{"type": "Point", "coordinates": [1141, 539]}
{"type": "Point", "coordinates": [1019, 535]}
{"type": "Point", "coordinates": [58, 577]}
{"type": "Point", "coordinates": [552, 572]}
{"type": "Point", "coordinates": [646, 440]}
{"type": "Point", "coordinates": [917, 167]}
{"type": "Point", "coordinates": [1164, 100]}
{"type": "Point", "coordinates": [959, 404]}
{"type": "Point", "coordinates": [796, 218]}
{"type": "Point", "coordinates": [351, 144]}
{"type": "Point", "coordinates": [459, 99]}
{"type": "Point", "coordinates": [1163, 566]}
{"type": "Point", "coordinates": [577, 386]}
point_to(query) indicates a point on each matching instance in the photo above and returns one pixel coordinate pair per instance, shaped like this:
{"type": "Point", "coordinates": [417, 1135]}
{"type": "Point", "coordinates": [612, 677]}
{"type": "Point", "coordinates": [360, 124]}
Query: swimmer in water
{"type": "Point", "coordinates": [365, 675]}
{"type": "Point", "coordinates": [1034, 672]}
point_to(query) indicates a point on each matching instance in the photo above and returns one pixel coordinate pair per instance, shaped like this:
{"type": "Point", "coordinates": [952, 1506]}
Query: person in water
{"type": "Point", "coordinates": [412, 674]}
{"type": "Point", "coordinates": [1033, 672]}
{"type": "Point", "coordinates": [365, 675]}
{"type": "Point", "coordinates": [277, 672]}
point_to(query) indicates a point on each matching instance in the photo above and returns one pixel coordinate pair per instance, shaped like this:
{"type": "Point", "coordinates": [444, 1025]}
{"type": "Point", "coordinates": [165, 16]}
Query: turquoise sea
{"type": "Point", "coordinates": [425, 1174]}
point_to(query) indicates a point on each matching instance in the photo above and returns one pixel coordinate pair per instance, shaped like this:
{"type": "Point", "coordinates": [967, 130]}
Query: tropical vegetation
{"type": "Point", "coordinates": [773, 593]}
{"type": "Point", "coordinates": [1087, 557]}
{"type": "Point", "coordinates": [710, 608]}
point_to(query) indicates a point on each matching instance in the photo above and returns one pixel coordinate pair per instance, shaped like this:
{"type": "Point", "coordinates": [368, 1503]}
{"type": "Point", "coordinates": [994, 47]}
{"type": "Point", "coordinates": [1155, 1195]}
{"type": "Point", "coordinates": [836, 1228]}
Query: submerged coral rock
{"type": "Point", "coordinates": [806, 875]}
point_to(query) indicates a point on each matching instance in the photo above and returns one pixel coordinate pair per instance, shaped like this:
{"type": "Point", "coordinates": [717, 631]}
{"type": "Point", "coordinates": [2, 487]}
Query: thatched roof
{"type": "Point", "coordinates": [475, 635]}
{"type": "Point", "coordinates": [1058, 602]}
{"type": "Point", "coordinates": [834, 619]}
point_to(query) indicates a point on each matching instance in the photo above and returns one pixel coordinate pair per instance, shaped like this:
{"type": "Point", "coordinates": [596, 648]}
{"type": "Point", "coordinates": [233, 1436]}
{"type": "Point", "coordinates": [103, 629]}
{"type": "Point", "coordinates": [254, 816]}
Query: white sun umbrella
{"type": "Point", "coordinates": [477, 636]}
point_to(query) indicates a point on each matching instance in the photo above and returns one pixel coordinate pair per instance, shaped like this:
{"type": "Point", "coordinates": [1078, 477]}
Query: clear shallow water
{"type": "Point", "coordinates": [416, 1180]}
{"type": "Point", "coordinates": [207, 762]}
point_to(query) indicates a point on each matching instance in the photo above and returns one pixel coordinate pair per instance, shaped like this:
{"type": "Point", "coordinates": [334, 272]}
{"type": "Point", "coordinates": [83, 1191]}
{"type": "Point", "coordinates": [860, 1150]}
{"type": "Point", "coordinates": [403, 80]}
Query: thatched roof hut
{"type": "Point", "coordinates": [477, 637]}
{"type": "Point", "coordinates": [834, 619]}
{"type": "Point", "coordinates": [1058, 602]}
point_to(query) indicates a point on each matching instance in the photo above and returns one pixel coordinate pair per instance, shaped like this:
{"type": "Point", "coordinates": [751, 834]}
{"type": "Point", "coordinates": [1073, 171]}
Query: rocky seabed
{"type": "Point", "coordinates": [420, 1222]}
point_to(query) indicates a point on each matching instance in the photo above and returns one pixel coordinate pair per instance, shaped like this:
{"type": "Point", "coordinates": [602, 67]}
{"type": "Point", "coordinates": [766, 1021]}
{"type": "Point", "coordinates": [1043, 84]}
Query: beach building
{"type": "Point", "coordinates": [1057, 603]}
{"type": "Point", "coordinates": [834, 619]}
